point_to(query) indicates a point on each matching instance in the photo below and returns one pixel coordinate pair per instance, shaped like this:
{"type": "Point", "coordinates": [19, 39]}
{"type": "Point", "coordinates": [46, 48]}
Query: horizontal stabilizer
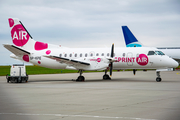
{"type": "Point", "coordinates": [16, 50]}
{"type": "Point", "coordinates": [67, 61]}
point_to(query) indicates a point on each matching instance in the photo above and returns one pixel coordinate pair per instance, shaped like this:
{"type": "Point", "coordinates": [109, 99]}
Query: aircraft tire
{"type": "Point", "coordinates": [158, 79]}
{"type": "Point", "coordinates": [80, 78]}
{"type": "Point", "coordinates": [106, 77]}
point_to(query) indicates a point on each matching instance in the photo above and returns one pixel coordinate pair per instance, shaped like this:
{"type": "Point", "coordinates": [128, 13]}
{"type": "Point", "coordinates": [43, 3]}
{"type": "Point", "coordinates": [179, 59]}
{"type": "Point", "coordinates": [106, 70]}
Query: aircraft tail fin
{"type": "Point", "coordinates": [130, 39]}
{"type": "Point", "coordinates": [20, 35]}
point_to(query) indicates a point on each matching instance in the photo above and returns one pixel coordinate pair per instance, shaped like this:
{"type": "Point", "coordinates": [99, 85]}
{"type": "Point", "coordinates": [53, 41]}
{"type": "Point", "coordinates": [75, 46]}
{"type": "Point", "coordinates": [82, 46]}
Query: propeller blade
{"type": "Point", "coordinates": [112, 50]}
{"type": "Point", "coordinates": [111, 67]}
{"type": "Point", "coordinates": [112, 55]}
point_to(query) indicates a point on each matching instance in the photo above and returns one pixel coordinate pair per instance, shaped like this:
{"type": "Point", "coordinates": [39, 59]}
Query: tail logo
{"type": "Point", "coordinates": [19, 35]}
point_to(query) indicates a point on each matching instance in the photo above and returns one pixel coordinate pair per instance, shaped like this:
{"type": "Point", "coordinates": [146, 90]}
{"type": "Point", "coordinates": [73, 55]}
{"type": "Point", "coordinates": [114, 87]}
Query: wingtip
{"type": "Point", "coordinates": [5, 45]}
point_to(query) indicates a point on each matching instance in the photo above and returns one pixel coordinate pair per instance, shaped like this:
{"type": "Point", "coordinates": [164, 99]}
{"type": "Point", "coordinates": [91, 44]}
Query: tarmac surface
{"type": "Point", "coordinates": [125, 97]}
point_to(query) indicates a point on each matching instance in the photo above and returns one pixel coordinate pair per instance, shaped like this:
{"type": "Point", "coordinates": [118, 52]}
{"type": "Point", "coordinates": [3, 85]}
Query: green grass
{"type": "Point", "coordinates": [32, 70]}
{"type": "Point", "coordinates": [4, 70]}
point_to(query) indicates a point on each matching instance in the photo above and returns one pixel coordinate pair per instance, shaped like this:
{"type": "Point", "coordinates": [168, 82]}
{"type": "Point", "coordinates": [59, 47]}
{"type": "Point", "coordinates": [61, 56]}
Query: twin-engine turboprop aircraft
{"type": "Point", "coordinates": [58, 57]}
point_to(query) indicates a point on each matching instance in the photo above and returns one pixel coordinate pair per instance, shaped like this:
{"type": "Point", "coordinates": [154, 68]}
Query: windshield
{"type": "Point", "coordinates": [159, 53]}
{"type": "Point", "coordinates": [151, 53]}
{"type": "Point", "coordinates": [155, 53]}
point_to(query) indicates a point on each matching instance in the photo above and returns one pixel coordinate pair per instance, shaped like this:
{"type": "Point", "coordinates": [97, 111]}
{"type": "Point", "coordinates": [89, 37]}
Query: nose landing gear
{"type": "Point", "coordinates": [158, 79]}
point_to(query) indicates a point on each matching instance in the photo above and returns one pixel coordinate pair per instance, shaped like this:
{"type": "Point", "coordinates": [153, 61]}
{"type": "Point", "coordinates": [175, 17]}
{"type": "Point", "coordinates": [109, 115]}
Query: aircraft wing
{"type": "Point", "coordinates": [67, 61]}
{"type": "Point", "coordinates": [17, 51]}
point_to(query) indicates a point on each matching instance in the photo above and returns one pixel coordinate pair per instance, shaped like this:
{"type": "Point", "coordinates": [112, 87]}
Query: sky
{"type": "Point", "coordinates": [92, 23]}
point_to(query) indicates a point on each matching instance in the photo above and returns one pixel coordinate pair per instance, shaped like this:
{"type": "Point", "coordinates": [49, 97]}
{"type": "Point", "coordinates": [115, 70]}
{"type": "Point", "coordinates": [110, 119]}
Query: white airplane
{"type": "Point", "coordinates": [58, 57]}
{"type": "Point", "coordinates": [131, 41]}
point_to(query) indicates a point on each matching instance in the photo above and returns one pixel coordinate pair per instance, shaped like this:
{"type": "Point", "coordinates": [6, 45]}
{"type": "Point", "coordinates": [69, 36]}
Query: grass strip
{"type": "Point", "coordinates": [33, 70]}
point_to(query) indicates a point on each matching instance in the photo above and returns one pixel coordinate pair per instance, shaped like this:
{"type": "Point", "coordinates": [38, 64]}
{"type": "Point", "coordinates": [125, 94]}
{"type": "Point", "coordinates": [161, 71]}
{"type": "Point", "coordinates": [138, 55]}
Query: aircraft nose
{"type": "Point", "coordinates": [175, 64]}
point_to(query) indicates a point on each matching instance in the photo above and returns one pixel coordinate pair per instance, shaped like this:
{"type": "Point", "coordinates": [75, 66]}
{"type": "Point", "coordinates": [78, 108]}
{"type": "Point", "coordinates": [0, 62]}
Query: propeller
{"type": "Point", "coordinates": [111, 63]}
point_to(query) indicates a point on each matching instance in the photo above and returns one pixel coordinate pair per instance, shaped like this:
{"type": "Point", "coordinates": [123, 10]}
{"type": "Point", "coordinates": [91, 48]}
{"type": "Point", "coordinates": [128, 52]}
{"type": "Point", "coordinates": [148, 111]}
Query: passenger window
{"type": "Point", "coordinates": [81, 55]}
{"type": "Point", "coordinates": [60, 55]}
{"type": "Point", "coordinates": [97, 54]}
{"type": "Point", "coordinates": [124, 54]}
{"type": "Point", "coordinates": [102, 54]}
{"type": "Point", "coordinates": [86, 55]}
{"type": "Point", "coordinates": [108, 54]}
{"type": "Point", "coordinates": [91, 54]}
{"type": "Point", "coordinates": [70, 55]}
{"type": "Point", "coordinates": [65, 55]}
{"type": "Point", "coordinates": [75, 55]}
{"type": "Point", "coordinates": [151, 53]}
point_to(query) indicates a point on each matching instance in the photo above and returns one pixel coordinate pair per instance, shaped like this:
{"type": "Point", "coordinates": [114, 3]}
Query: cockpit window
{"type": "Point", "coordinates": [159, 53]}
{"type": "Point", "coordinates": [151, 53]}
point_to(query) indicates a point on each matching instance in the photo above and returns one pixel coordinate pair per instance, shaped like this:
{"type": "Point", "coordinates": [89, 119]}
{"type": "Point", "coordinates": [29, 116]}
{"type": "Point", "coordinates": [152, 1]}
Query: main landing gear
{"type": "Point", "coordinates": [158, 79]}
{"type": "Point", "coordinates": [106, 76]}
{"type": "Point", "coordinates": [80, 78]}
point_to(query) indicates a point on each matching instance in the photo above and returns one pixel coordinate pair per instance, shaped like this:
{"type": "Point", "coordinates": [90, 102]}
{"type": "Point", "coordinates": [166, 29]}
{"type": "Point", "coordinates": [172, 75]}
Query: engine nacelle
{"type": "Point", "coordinates": [96, 63]}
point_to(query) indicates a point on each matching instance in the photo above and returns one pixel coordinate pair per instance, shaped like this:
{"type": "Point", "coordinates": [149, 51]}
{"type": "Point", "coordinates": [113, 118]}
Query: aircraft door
{"type": "Point", "coordinates": [129, 57]}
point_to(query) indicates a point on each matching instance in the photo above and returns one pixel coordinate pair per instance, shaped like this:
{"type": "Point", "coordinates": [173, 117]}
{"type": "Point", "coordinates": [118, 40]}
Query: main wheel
{"type": "Point", "coordinates": [106, 77]}
{"type": "Point", "coordinates": [80, 78]}
{"type": "Point", "coordinates": [158, 79]}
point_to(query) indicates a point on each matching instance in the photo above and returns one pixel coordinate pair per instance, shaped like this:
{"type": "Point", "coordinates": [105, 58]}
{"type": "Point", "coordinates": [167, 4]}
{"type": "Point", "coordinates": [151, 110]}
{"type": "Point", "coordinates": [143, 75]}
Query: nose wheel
{"type": "Point", "coordinates": [158, 79]}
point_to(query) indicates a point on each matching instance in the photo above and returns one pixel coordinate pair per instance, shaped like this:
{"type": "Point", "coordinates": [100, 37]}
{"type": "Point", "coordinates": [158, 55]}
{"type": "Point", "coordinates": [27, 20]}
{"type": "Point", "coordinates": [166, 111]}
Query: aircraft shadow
{"type": "Point", "coordinates": [96, 80]}
{"type": "Point", "coordinates": [47, 80]}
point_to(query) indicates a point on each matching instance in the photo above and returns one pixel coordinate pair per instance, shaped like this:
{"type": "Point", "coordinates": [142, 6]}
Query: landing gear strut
{"type": "Point", "coordinates": [106, 76]}
{"type": "Point", "coordinates": [80, 78]}
{"type": "Point", "coordinates": [158, 79]}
